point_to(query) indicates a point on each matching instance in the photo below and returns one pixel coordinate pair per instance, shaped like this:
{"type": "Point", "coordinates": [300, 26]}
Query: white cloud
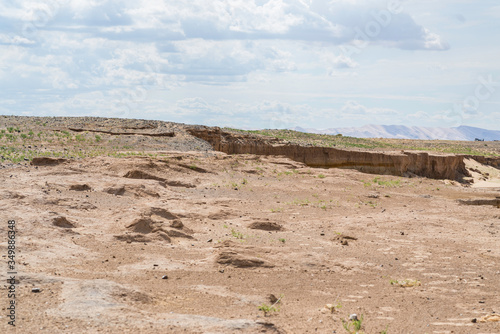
{"type": "Point", "coordinates": [277, 60]}
{"type": "Point", "coordinates": [354, 108]}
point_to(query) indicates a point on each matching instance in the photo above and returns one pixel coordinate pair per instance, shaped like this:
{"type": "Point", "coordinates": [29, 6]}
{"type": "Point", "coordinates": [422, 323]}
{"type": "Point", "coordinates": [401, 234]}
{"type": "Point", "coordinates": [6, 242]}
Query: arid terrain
{"type": "Point", "coordinates": [127, 226]}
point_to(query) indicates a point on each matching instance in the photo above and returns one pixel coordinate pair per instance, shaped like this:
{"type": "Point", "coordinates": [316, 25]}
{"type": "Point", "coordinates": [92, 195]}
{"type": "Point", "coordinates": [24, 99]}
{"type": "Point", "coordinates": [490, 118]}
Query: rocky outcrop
{"type": "Point", "coordinates": [125, 133]}
{"type": "Point", "coordinates": [400, 164]}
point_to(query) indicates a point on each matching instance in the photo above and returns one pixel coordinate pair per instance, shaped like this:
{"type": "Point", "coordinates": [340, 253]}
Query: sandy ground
{"type": "Point", "coordinates": [197, 242]}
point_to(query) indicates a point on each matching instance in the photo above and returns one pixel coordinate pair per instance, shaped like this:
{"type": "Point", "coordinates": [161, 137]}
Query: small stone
{"type": "Point", "coordinates": [474, 320]}
{"type": "Point", "coordinates": [36, 290]}
{"type": "Point", "coordinates": [209, 240]}
{"type": "Point", "coordinates": [221, 271]}
{"type": "Point", "coordinates": [164, 277]}
{"type": "Point", "coordinates": [272, 298]}
{"type": "Point", "coordinates": [353, 317]}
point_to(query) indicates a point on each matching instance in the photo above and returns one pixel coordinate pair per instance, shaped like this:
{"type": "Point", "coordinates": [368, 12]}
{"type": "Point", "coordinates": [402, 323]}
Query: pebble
{"type": "Point", "coordinates": [36, 290]}
{"type": "Point", "coordinates": [209, 240]}
{"type": "Point", "coordinates": [164, 277]}
{"type": "Point", "coordinates": [353, 317]}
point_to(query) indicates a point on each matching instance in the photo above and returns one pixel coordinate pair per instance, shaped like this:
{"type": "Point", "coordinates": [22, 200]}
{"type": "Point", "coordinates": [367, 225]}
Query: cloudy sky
{"type": "Point", "coordinates": [254, 63]}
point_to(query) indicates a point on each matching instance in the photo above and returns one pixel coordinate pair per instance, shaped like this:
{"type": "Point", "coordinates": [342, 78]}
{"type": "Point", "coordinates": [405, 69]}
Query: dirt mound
{"type": "Point", "coordinates": [240, 256]}
{"type": "Point", "coordinates": [63, 222]}
{"type": "Point", "coordinates": [133, 237]}
{"type": "Point", "coordinates": [143, 225]}
{"type": "Point", "coordinates": [235, 259]}
{"type": "Point", "coordinates": [494, 202]}
{"type": "Point", "coordinates": [266, 226]}
{"type": "Point", "coordinates": [139, 174]}
{"type": "Point", "coordinates": [45, 161]}
{"type": "Point", "coordinates": [344, 239]}
{"type": "Point", "coordinates": [131, 190]}
{"type": "Point", "coordinates": [159, 212]}
{"type": "Point", "coordinates": [80, 187]}
{"type": "Point", "coordinates": [155, 229]}
{"type": "Point", "coordinates": [179, 184]}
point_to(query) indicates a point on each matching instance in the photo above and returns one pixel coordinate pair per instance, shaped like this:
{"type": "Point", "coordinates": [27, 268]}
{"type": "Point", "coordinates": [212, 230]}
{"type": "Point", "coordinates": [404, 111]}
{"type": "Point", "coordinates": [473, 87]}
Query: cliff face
{"type": "Point", "coordinates": [490, 161]}
{"type": "Point", "coordinates": [400, 164]}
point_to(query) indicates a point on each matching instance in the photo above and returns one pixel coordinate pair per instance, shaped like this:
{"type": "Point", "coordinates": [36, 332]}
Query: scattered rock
{"type": "Point", "coordinates": [138, 174]}
{"type": "Point", "coordinates": [494, 202]}
{"type": "Point", "coordinates": [177, 234]}
{"type": "Point", "coordinates": [133, 237]}
{"type": "Point", "coordinates": [489, 318]}
{"type": "Point", "coordinates": [177, 224]}
{"type": "Point", "coordinates": [241, 261]}
{"type": "Point", "coordinates": [344, 239]}
{"type": "Point", "coordinates": [164, 277]}
{"type": "Point", "coordinates": [117, 191]}
{"type": "Point", "coordinates": [353, 317]}
{"type": "Point", "coordinates": [142, 225]}
{"type": "Point", "coordinates": [160, 212]}
{"type": "Point", "coordinates": [179, 184]}
{"type": "Point", "coordinates": [36, 290]}
{"type": "Point", "coordinates": [266, 226]}
{"type": "Point", "coordinates": [62, 222]}
{"type": "Point", "coordinates": [80, 187]}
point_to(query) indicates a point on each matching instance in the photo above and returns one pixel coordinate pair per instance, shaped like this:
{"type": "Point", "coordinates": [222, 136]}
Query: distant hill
{"type": "Point", "coordinates": [410, 132]}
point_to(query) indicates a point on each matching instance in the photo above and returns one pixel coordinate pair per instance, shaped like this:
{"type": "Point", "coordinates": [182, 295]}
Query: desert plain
{"type": "Point", "coordinates": [127, 226]}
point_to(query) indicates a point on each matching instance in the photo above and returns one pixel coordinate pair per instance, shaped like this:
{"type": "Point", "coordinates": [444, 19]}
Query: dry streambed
{"type": "Point", "coordinates": [210, 243]}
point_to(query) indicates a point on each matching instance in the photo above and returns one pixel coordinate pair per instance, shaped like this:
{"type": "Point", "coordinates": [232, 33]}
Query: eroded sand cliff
{"type": "Point", "coordinates": [401, 163]}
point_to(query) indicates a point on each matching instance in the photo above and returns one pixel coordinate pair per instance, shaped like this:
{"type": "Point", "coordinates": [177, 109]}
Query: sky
{"type": "Point", "coordinates": [254, 63]}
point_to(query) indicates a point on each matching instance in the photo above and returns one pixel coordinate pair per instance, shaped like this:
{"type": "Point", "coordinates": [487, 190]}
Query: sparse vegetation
{"type": "Point", "coordinates": [237, 235]}
{"type": "Point", "coordinates": [270, 308]}
{"type": "Point", "coordinates": [353, 326]}
{"type": "Point", "coordinates": [407, 283]}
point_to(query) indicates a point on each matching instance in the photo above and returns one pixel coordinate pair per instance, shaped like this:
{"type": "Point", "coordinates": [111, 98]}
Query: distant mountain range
{"type": "Point", "coordinates": [410, 132]}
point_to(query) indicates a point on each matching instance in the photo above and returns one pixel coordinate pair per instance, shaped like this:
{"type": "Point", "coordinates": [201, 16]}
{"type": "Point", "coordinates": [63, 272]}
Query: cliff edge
{"type": "Point", "coordinates": [393, 163]}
